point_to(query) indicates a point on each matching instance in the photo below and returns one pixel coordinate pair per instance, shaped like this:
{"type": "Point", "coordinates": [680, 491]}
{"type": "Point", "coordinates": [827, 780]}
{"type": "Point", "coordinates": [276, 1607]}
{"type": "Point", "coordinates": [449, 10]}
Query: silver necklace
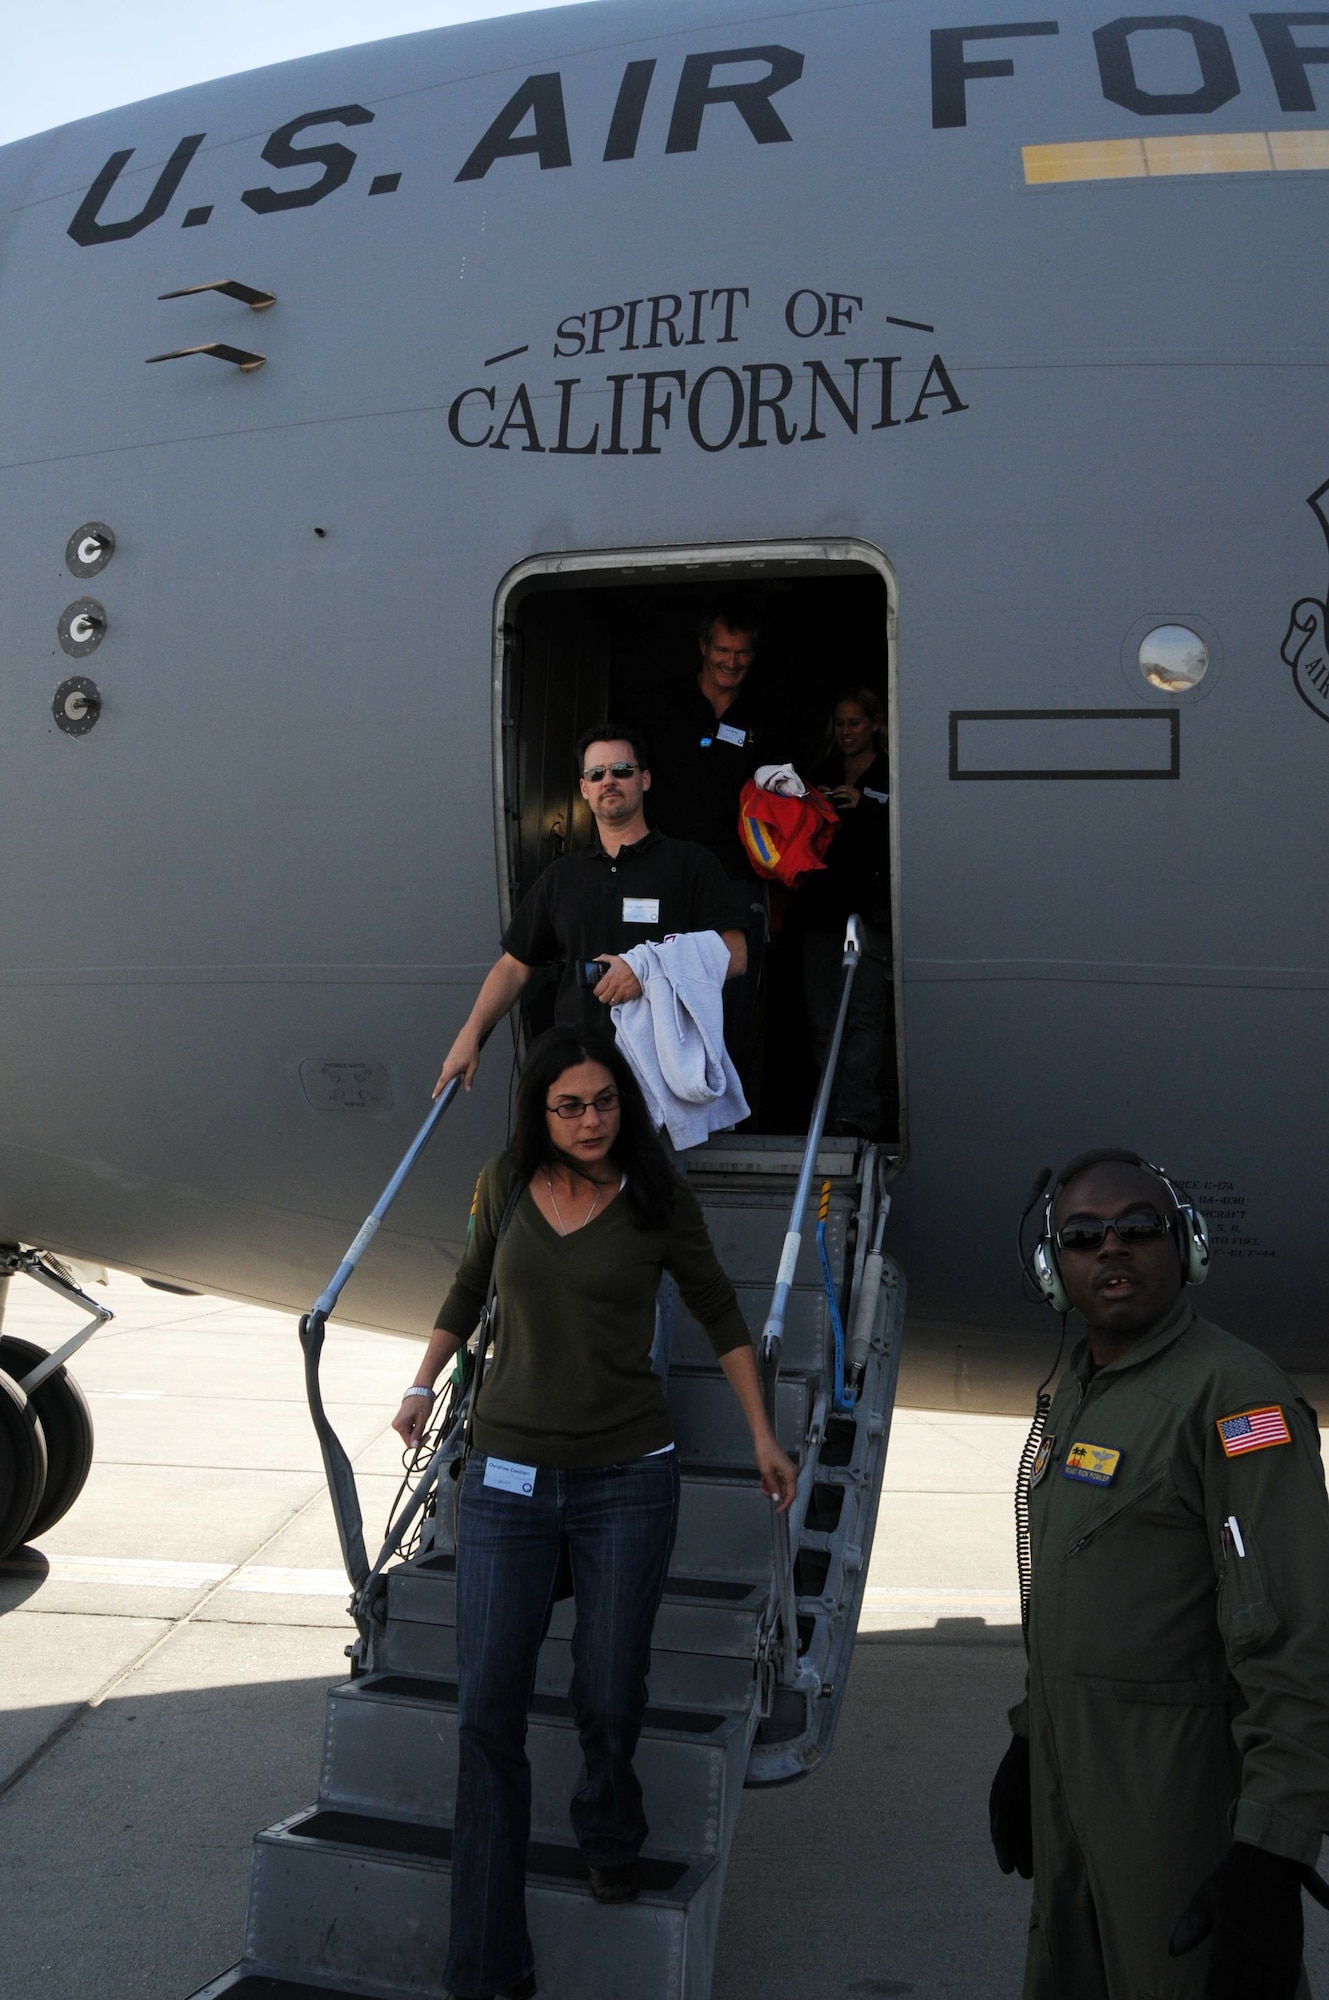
{"type": "Point", "coordinates": [563, 1227]}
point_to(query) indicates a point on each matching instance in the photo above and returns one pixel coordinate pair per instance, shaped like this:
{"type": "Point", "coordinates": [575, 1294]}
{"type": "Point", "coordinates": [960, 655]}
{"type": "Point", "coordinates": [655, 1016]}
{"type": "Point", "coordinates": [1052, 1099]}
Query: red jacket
{"type": "Point", "coordinates": [785, 838]}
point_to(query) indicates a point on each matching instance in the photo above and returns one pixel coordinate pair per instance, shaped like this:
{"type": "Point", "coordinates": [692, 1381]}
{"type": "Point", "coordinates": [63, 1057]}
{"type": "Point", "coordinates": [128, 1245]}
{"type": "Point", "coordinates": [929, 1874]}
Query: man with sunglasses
{"type": "Point", "coordinates": [632, 885]}
{"type": "Point", "coordinates": [1167, 1784]}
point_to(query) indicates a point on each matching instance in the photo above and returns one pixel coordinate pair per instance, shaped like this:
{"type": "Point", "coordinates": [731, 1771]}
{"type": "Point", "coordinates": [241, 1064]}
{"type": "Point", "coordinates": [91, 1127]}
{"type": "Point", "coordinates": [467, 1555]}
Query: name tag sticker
{"type": "Point", "coordinates": [509, 1477]}
{"type": "Point", "coordinates": [727, 733]}
{"type": "Point", "coordinates": [1095, 1463]}
{"type": "Point", "coordinates": [641, 909]}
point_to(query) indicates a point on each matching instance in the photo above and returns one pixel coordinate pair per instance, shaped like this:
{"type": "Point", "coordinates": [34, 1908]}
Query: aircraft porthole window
{"type": "Point", "coordinates": [1171, 659]}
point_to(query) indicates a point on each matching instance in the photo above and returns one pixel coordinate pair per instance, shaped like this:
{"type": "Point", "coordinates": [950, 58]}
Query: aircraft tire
{"type": "Point", "coordinates": [66, 1422]}
{"type": "Point", "coordinates": [22, 1464]}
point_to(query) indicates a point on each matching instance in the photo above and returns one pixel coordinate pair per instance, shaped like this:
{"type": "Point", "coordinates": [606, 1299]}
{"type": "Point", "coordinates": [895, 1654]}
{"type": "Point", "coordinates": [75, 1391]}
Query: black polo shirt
{"type": "Point", "coordinates": [699, 764]}
{"type": "Point", "coordinates": [857, 875]}
{"type": "Point", "coordinates": [590, 903]}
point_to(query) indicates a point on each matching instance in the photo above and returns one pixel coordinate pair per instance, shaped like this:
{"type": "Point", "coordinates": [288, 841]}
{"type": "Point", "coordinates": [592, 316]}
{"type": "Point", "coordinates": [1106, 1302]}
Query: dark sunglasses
{"type": "Point", "coordinates": [1089, 1234]}
{"type": "Point", "coordinates": [596, 772]}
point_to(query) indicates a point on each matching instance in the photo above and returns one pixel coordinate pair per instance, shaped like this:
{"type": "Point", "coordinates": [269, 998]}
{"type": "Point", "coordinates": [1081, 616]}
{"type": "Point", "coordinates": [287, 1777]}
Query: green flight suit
{"type": "Point", "coordinates": [1178, 1692]}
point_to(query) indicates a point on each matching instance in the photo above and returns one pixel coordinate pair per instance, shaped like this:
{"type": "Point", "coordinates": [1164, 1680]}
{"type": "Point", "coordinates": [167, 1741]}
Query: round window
{"type": "Point", "coordinates": [1173, 659]}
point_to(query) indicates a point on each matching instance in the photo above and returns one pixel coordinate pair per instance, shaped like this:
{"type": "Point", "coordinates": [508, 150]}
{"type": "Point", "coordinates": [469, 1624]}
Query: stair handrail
{"type": "Point", "coordinates": [337, 1467]}
{"type": "Point", "coordinates": [772, 1335]}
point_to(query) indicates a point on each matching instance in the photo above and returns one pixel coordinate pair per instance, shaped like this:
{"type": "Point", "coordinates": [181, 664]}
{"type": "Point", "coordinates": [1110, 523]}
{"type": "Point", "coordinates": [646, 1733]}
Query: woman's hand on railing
{"type": "Point", "coordinates": [412, 1419]}
{"type": "Point", "coordinates": [779, 1474]}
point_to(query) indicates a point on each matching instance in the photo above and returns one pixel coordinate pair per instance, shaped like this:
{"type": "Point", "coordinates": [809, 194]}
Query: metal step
{"type": "Point", "coordinates": [698, 1615]}
{"type": "Point", "coordinates": [241, 1984]}
{"type": "Point", "coordinates": [748, 1232]}
{"type": "Point", "coordinates": [360, 1900]}
{"type": "Point", "coordinates": [390, 1748]}
{"type": "Point", "coordinates": [678, 1680]}
{"type": "Point", "coordinates": [747, 1227]}
{"type": "Point", "coordinates": [806, 1329]}
{"type": "Point", "coordinates": [762, 1157]}
{"type": "Point", "coordinates": [702, 1649]}
{"type": "Point", "coordinates": [709, 1425]}
{"type": "Point", "coordinates": [724, 1524]}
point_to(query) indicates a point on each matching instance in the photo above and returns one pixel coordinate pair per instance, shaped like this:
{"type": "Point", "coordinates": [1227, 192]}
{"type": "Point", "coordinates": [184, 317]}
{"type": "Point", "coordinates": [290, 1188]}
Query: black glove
{"type": "Point", "coordinates": [1252, 1905]}
{"type": "Point", "coordinates": [1009, 1813]}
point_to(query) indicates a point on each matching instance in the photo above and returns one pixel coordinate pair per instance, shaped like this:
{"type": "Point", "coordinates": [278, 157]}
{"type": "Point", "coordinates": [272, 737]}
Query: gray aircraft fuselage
{"type": "Point", "coordinates": [1019, 314]}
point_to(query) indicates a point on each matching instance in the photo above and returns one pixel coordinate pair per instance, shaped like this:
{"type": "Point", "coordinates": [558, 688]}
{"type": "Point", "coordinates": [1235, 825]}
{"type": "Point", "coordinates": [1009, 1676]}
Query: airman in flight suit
{"type": "Point", "coordinates": [1169, 1775]}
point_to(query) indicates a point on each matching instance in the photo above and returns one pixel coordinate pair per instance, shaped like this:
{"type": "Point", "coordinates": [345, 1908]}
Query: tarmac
{"type": "Point", "coordinates": [166, 1649]}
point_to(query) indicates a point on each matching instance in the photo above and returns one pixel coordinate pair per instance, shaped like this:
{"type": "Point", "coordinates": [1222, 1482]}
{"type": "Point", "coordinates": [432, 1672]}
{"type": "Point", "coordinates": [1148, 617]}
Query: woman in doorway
{"type": "Point", "coordinates": [854, 774]}
{"type": "Point", "coordinates": [572, 1453]}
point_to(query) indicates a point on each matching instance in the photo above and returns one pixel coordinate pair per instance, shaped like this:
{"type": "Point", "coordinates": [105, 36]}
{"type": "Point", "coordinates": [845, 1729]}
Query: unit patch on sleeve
{"type": "Point", "coordinates": [1095, 1463]}
{"type": "Point", "coordinates": [1040, 1466]}
{"type": "Point", "coordinates": [1253, 1430]}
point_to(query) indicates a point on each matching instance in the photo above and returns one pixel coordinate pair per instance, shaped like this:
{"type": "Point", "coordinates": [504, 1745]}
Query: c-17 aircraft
{"type": "Point", "coordinates": [983, 349]}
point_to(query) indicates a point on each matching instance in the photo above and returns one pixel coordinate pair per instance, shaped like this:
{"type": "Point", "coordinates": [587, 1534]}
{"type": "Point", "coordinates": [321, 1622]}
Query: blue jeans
{"type": "Point", "coordinates": [618, 1524]}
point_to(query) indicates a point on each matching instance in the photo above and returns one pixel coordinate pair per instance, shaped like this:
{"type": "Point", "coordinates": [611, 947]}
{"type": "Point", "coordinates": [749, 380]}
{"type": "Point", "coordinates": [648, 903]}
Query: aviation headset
{"type": "Point", "coordinates": [1189, 1226]}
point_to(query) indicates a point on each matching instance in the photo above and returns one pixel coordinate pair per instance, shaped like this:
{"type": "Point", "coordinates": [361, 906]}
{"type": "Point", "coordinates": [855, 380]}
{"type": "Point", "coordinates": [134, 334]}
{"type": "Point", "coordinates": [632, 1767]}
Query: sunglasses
{"type": "Point", "coordinates": [596, 773]}
{"type": "Point", "coordinates": [1090, 1233]}
{"type": "Point", "coordinates": [577, 1107]}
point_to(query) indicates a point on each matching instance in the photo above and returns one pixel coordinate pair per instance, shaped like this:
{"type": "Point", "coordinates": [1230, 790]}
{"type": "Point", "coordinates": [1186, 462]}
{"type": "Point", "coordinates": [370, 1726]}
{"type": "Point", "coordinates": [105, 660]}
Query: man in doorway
{"type": "Point", "coordinates": [633, 885]}
{"type": "Point", "coordinates": [1168, 1780]}
{"type": "Point", "coordinates": [708, 733]}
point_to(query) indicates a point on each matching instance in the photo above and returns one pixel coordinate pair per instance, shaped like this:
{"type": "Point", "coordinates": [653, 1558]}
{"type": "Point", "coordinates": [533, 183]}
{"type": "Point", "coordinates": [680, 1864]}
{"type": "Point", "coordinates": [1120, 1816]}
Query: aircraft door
{"type": "Point", "coordinates": [591, 636]}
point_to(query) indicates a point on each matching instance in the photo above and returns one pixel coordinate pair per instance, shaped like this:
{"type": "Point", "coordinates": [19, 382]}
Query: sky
{"type": "Point", "coordinates": [63, 62]}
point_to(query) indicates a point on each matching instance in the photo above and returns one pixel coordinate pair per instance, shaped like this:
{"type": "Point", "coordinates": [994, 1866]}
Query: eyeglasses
{"type": "Point", "coordinates": [1091, 1232]}
{"type": "Point", "coordinates": [596, 773]}
{"type": "Point", "coordinates": [577, 1107]}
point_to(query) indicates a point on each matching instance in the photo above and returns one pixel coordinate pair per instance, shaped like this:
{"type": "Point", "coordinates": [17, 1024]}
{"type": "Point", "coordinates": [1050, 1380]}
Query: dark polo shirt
{"type": "Point", "coordinates": [590, 903]}
{"type": "Point", "coordinates": [699, 764]}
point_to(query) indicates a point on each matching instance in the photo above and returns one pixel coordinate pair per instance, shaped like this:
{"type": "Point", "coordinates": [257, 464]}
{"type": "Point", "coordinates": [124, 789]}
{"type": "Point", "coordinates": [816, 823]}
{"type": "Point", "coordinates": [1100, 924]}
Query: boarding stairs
{"type": "Point", "coordinates": [750, 1654]}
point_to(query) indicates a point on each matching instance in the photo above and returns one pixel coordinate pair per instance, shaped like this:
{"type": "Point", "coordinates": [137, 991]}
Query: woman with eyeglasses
{"type": "Point", "coordinates": [572, 1453]}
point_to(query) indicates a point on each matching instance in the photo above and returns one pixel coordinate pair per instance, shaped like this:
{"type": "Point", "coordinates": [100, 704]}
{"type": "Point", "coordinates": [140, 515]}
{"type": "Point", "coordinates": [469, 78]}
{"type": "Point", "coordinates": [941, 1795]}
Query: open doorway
{"type": "Point", "coordinates": [583, 637]}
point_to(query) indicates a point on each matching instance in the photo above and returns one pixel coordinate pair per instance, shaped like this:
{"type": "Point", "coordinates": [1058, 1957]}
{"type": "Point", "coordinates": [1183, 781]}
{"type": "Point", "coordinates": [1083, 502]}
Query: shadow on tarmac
{"type": "Point", "coordinates": [125, 1851]}
{"type": "Point", "coordinates": [25, 1571]}
{"type": "Point", "coordinates": [875, 1876]}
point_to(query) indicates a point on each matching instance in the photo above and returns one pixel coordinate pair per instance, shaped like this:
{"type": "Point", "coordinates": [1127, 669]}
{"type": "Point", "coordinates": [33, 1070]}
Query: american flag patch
{"type": "Point", "coordinates": [1253, 1431]}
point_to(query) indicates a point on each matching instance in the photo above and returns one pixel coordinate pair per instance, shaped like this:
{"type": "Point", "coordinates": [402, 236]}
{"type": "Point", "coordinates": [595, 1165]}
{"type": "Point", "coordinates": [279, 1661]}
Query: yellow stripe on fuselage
{"type": "Point", "coordinates": [1181, 153]}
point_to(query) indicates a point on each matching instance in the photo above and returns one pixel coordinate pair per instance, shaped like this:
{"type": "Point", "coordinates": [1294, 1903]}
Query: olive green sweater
{"type": "Point", "coordinates": [570, 1381]}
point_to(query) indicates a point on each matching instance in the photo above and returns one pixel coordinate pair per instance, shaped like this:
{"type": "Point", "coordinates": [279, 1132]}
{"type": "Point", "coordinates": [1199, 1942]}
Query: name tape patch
{"type": "Point", "coordinates": [1253, 1430]}
{"type": "Point", "coordinates": [1095, 1463]}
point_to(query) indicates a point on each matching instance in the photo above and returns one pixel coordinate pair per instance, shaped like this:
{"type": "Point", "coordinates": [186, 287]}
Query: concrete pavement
{"type": "Point", "coordinates": [165, 1653]}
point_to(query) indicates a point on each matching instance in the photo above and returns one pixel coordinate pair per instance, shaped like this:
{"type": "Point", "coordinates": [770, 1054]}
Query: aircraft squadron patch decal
{"type": "Point", "coordinates": [1096, 1464]}
{"type": "Point", "coordinates": [1045, 1451]}
{"type": "Point", "coordinates": [1306, 643]}
{"type": "Point", "coordinates": [1253, 1430]}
